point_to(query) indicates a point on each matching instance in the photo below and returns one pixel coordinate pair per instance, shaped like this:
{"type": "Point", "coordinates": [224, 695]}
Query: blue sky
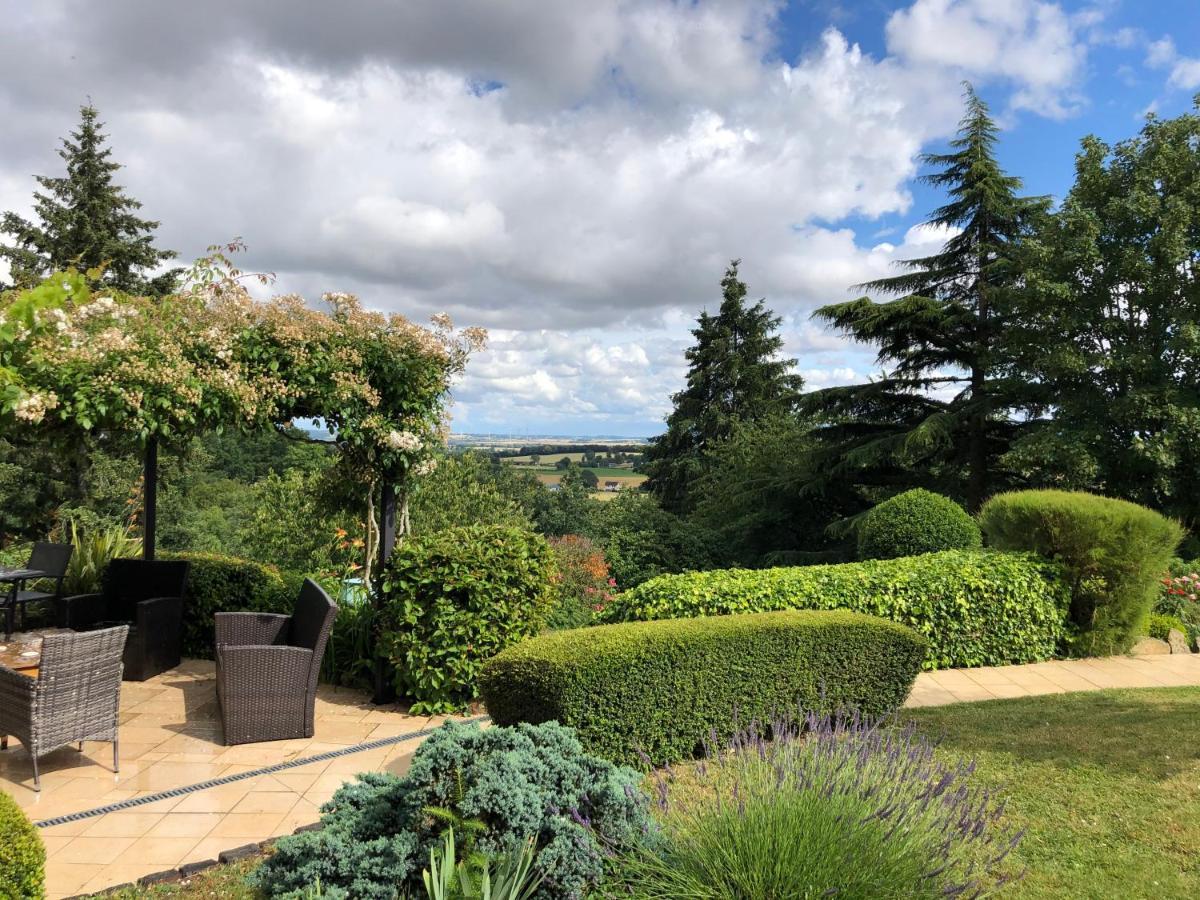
{"type": "Point", "coordinates": [574, 176]}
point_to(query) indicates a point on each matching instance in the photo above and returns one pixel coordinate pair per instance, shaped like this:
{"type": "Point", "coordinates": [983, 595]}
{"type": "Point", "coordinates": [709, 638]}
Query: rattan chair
{"type": "Point", "coordinates": [76, 696]}
{"type": "Point", "coordinates": [146, 595]}
{"type": "Point", "coordinates": [267, 667]}
{"type": "Point", "coordinates": [52, 559]}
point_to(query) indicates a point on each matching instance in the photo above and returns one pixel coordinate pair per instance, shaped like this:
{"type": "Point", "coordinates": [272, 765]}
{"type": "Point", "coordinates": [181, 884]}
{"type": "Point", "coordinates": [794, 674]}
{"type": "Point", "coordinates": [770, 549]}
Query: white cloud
{"type": "Point", "coordinates": [1034, 45]}
{"type": "Point", "coordinates": [573, 175]}
{"type": "Point", "coordinates": [1184, 71]}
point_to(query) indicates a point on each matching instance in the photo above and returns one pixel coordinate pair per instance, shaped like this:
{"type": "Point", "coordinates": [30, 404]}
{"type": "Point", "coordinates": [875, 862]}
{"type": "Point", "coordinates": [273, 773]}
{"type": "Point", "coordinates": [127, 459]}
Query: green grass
{"type": "Point", "coordinates": [1106, 784]}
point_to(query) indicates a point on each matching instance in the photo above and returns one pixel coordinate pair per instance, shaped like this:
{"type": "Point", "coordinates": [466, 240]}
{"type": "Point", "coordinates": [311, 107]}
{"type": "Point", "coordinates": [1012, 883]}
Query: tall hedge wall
{"type": "Point", "coordinates": [975, 608]}
{"type": "Point", "coordinates": [664, 688]}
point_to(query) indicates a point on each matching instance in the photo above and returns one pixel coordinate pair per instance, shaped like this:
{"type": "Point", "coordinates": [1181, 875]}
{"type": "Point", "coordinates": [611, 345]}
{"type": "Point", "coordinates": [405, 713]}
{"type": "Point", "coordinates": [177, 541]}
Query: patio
{"type": "Point", "coordinates": [171, 738]}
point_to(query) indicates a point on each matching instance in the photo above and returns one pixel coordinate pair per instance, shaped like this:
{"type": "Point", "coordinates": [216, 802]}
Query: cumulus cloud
{"type": "Point", "coordinates": [1036, 45]}
{"type": "Point", "coordinates": [573, 175]}
{"type": "Point", "coordinates": [1183, 71]}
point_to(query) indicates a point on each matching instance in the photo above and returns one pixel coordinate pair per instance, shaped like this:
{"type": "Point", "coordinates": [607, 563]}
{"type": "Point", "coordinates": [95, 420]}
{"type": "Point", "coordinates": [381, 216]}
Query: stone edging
{"type": "Point", "coordinates": [187, 870]}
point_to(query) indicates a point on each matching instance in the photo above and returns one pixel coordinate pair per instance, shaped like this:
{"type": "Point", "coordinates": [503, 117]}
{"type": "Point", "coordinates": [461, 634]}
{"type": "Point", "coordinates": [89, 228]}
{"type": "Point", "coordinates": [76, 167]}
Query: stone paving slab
{"type": "Point", "coordinates": [171, 738]}
{"type": "Point", "coordinates": [1054, 677]}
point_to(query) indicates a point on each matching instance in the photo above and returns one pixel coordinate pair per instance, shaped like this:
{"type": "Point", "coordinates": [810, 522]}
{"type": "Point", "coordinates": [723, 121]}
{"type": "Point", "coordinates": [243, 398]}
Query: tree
{"type": "Point", "coordinates": [567, 510]}
{"type": "Point", "coordinates": [589, 479]}
{"type": "Point", "coordinates": [944, 400]}
{"type": "Point", "coordinates": [734, 375]}
{"type": "Point", "coordinates": [752, 496]}
{"type": "Point", "coordinates": [1111, 324]}
{"type": "Point", "coordinates": [86, 221]}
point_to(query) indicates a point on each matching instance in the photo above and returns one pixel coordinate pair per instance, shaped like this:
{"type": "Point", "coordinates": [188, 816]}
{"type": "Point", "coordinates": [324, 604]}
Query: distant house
{"type": "Point", "coordinates": [612, 486]}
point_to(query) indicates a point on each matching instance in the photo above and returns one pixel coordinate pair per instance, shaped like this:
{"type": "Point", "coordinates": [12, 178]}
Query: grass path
{"type": "Point", "coordinates": [1106, 784]}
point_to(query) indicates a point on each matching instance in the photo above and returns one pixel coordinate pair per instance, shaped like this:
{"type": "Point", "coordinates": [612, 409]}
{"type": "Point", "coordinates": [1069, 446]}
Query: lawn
{"type": "Point", "coordinates": [1107, 785]}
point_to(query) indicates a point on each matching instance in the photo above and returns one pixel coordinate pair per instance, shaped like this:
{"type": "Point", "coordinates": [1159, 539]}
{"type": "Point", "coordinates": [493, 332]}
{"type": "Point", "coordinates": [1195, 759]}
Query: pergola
{"type": "Point", "coordinates": [78, 363]}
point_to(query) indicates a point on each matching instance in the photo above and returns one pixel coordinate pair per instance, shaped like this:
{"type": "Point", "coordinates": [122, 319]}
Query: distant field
{"type": "Point", "coordinates": [548, 460]}
{"type": "Point", "coordinates": [627, 478]}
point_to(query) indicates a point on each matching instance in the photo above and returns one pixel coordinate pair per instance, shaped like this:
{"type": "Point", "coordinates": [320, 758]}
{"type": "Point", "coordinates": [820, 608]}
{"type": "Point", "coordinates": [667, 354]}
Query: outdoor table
{"type": "Point", "coordinates": [23, 654]}
{"type": "Point", "coordinates": [17, 578]}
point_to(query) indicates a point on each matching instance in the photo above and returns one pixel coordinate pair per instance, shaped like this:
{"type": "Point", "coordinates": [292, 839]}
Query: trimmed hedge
{"type": "Point", "coordinates": [1114, 553]}
{"type": "Point", "coordinates": [975, 608]}
{"type": "Point", "coordinates": [228, 584]}
{"type": "Point", "coordinates": [914, 522]}
{"type": "Point", "coordinates": [454, 598]}
{"type": "Point", "coordinates": [664, 688]}
{"type": "Point", "coordinates": [22, 855]}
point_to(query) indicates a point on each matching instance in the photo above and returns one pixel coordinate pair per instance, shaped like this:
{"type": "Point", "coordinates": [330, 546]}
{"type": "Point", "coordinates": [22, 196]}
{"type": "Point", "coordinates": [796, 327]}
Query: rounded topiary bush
{"type": "Point", "coordinates": [22, 856]}
{"type": "Point", "coordinates": [1114, 553]}
{"type": "Point", "coordinates": [453, 599]}
{"type": "Point", "coordinates": [917, 521]}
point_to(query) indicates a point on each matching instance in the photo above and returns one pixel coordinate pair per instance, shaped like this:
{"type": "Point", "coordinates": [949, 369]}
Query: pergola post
{"type": "Point", "coordinates": [149, 497]}
{"type": "Point", "coordinates": [384, 689]}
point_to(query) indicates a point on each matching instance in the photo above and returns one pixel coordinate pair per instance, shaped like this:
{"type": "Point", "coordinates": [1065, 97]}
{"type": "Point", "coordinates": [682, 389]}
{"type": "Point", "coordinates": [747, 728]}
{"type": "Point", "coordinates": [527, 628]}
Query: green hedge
{"type": "Point", "coordinates": [664, 688]}
{"type": "Point", "coordinates": [1114, 552]}
{"type": "Point", "coordinates": [228, 584]}
{"type": "Point", "coordinates": [22, 855]}
{"type": "Point", "coordinates": [975, 608]}
{"type": "Point", "coordinates": [916, 521]}
{"type": "Point", "coordinates": [454, 598]}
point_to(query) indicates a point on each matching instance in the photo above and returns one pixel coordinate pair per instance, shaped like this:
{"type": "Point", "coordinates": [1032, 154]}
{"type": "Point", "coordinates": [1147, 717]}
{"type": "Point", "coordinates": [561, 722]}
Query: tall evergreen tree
{"type": "Point", "coordinates": [943, 401]}
{"type": "Point", "coordinates": [734, 375]}
{"type": "Point", "coordinates": [85, 220]}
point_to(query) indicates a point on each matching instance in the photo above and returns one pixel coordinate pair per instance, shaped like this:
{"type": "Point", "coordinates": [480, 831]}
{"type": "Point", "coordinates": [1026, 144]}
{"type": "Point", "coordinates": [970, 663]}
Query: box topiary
{"type": "Point", "coordinates": [974, 608]}
{"type": "Point", "coordinates": [22, 855]}
{"type": "Point", "coordinates": [915, 522]}
{"type": "Point", "coordinates": [228, 584]}
{"type": "Point", "coordinates": [1114, 553]}
{"type": "Point", "coordinates": [664, 688]}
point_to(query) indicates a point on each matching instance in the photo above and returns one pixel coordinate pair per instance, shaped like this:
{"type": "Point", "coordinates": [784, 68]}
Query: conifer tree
{"type": "Point", "coordinates": [942, 403]}
{"type": "Point", "coordinates": [86, 220]}
{"type": "Point", "coordinates": [734, 376]}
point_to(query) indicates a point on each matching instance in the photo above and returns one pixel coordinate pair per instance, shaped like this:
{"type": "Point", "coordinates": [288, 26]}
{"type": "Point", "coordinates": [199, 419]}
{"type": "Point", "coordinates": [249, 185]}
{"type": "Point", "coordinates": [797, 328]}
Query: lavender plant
{"type": "Point", "coordinates": [837, 807]}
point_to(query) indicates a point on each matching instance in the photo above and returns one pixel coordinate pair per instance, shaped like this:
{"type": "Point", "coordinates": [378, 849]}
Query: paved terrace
{"type": "Point", "coordinates": [171, 739]}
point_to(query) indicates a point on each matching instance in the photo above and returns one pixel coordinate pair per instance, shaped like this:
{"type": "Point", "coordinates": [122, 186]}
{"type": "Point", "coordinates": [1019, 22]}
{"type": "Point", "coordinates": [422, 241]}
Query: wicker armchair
{"type": "Point", "coordinates": [75, 697]}
{"type": "Point", "coordinates": [148, 596]}
{"type": "Point", "coordinates": [267, 667]}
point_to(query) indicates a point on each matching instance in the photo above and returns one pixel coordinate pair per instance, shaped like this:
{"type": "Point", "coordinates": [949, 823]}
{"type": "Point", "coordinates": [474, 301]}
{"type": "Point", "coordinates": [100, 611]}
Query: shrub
{"type": "Point", "coordinates": [1159, 626]}
{"type": "Point", "coordinates": [836, 809]}
{"type": "Point", "coordinates": [915, 522]}
{"type": "Point", "coordinates": [22, 856]}
{"type": "Point", "coordinates": [92, 553]}
{"type": "Point", "coordinates": [663, 688]}
{"type": "Point", "coordinates": [1179, 597]}
{"type": "Point", "coordinates": [454, 598]}
{"type": "Point", "coordinates": [227, 584]}
{"type": "Point", "coordinates": [1114, 553]}
{"type": "Point", "coordinates": [582, 585]}
{"type": "Point", "coordinates": [505, 785]}
{"type": "Point", "coordinates": [974, 608]}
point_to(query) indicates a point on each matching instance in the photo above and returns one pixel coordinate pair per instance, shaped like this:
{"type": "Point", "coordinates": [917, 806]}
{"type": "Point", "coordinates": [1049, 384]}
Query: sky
{"type": "Point", "coordinates": [575, 175]}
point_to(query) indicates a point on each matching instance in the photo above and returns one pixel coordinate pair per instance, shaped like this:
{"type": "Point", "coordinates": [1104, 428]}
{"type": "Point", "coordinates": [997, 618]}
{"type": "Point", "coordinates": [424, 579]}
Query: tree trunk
{"type": "Point", "coordinates": [385, 691]}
